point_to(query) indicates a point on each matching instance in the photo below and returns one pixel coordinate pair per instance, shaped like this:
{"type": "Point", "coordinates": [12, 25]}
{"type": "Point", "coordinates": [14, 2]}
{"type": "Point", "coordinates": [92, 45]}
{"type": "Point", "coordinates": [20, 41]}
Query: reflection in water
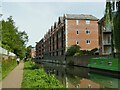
{"type": "Point", "coordinates": [71, 76]}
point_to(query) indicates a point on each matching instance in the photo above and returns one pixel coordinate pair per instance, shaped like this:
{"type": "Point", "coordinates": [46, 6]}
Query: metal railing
{"type": "Point", "coordinates": [106, 43]}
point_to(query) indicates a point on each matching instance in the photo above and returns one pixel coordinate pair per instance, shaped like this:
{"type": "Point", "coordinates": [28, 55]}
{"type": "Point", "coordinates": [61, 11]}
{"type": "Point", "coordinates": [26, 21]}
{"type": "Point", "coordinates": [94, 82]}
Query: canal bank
{"type": "Point", "coordinates": [97, 63]}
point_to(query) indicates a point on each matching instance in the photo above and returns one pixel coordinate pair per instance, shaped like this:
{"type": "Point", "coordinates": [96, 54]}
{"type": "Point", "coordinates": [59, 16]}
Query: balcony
{"type": "Point", "coordinates": [106, 43]}
{"type": "Point", "coordinates": [106, 30]}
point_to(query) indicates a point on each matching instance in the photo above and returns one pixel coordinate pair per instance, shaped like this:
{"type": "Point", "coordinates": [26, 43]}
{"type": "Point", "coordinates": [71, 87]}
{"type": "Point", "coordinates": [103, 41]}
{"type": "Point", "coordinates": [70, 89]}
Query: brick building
{"type": "Point", "coordinates": [70, 29]}
{"type": "Point", "coordinates": [105, 38]}
{"type": "Point", "coordinates": [39, 49]}
{"type": "Point", "coordinates": [33, 52]}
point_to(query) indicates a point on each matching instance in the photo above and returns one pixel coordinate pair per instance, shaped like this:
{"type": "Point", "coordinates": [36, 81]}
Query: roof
{"type": "Point", "coordinates": [80, 16]}
{"type": "Point", "coordinates": [101, 20]}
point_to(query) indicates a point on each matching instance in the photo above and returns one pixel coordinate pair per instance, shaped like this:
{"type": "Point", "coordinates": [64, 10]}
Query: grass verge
{"type": "Point", "coordinates": [7, 67]}
{"type": "Point", "coordinates": [35, 77]}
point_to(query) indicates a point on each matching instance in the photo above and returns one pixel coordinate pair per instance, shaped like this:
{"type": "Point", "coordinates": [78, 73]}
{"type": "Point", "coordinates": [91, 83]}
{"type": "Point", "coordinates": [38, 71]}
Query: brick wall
{"type": "Point", "coordinates": [81, 37]}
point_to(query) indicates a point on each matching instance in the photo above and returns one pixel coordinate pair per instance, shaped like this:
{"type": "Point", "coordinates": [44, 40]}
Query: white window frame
{"type": "Point", "coordinates": [88, 41]}
{"type": "Point", "coordinates": [77, 22]}
{"type": "Point", "coordinates": [77, 32]}
{"type": "Point", "coordinates": [87, 31]}
{"type": "Point", "coordinates": [87, 21]}
{"type": "Point", "coordinates": [77, 42]}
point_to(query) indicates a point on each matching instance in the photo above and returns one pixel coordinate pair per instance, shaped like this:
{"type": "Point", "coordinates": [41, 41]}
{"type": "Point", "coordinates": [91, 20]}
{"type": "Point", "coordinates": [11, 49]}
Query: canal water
{"type": "Point", "coordinates": [70, 76]}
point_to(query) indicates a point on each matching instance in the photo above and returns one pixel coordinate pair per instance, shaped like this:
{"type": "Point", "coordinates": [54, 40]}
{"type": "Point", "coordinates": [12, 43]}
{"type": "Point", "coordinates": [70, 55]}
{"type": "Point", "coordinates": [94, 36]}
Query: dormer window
{"type": "Point", "coordinates": [87, 21]}
{"type": "Point", "coordinates": [77, 22]}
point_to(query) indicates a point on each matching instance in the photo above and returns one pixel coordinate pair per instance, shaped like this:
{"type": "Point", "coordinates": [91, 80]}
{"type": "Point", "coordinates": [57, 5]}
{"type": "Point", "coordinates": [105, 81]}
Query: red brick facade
{"type": "Point", "coordinates": [69, 30]}
{"type": "Point", "coordinates": [39, 49]}
{"type": "Point", "coordinates": [81, 33]}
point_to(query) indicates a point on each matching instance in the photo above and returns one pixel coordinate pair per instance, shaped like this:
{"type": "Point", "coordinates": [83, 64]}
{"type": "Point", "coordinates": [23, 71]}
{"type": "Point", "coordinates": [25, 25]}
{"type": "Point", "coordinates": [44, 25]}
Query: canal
{"type": "Point", "coordinates": [72, 76]}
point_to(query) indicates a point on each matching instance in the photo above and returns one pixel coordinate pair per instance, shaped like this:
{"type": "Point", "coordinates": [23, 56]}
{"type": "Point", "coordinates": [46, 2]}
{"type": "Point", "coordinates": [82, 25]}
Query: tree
{"type": "Point", "coordinates": [72, 50]}
{"type": "Point", "coordinates": [109, 21]}
{"type": "Point", "coordinates": [12, 39]}
{"type": "Point", "coordinates": [28, 53]}
{"type": "Point", "coordinates": [117, 28]}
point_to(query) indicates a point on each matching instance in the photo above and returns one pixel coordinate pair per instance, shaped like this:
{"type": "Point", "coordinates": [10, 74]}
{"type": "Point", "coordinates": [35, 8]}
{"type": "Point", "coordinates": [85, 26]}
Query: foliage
{"type": "Point", "coordinates": [79, 53]}
{"type": "Point", "coordinates": [12, 39]}
{"type": "Point", "coordinates": [112, 19]}
{"type": "Point", "coordinates": [92, 52]}
{"type": "Point", "coordinates": [72, 50]}
{"type": "Point", "coordinates": [37, 78]}
{"type": "Point", "coordinates": [28, 53]}
{"type": "Point", "coordinates": [117, 28]}
{"type": "Point", "coordinates": [109, 21]}
{"type": "Point", "coordinates": [7, 66]}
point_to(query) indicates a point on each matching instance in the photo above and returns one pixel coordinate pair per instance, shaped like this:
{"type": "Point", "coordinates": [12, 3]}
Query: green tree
{"type": "Point", "coordinates": [28, 53]}
{"type": "Point", "coordinates": [72, 50]}
{"type": "Point", "coordinates": [117, 28]}
{"type": "Point", "coordinates": [12, 39]}
{"type": "Point", "coordinates": [109, 21]}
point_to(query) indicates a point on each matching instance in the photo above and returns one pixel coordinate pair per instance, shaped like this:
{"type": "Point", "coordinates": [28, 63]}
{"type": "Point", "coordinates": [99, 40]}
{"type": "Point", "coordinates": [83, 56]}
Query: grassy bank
{"type": "Point", "coordinates": [105, 63]}
{"type": "Point", "coordinates": [7, 67]}
{"type": "Point", "coordinates": [35, 77]}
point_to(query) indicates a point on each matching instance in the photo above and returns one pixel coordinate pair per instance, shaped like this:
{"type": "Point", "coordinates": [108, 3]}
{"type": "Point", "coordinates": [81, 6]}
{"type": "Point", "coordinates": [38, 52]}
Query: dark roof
{"type": "Point", "coordinates": [101, 20]}
{"type": "Point", "coordinates": [80, 16]}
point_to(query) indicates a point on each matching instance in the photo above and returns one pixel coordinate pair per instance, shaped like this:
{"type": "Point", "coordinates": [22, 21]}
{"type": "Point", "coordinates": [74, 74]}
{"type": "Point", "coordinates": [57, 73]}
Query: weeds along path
{"type": "Point", "coordinates": [14, 79]}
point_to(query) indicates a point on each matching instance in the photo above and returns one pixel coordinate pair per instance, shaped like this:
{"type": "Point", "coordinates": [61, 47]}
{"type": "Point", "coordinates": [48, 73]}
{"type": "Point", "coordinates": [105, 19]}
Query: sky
{"type": "Point", "coordinates": [36, 17]}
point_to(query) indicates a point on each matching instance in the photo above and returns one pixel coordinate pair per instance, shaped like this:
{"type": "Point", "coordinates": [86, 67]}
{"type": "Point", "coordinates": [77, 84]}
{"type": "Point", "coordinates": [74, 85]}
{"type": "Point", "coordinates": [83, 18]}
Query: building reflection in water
{"type": "Point", "coordinates": [72, 77]}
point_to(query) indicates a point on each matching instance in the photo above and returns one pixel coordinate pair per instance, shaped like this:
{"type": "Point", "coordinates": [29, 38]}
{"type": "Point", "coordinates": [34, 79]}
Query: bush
{"type": "Point", "coordinates": [92, 52]}
{"type": "Point", "coordinates": [72, 50]}
{"type": "Point", "coordinates": [78, 53]}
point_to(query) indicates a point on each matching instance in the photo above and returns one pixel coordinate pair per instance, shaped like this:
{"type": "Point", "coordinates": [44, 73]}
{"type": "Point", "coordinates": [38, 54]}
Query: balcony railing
{"type": "Point", "coordinates": [106, 43]}
{"type": "Point", "coordinates": [106, 29]}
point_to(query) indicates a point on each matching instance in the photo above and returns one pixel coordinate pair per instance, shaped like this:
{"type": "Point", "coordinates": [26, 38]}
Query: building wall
{"type": "Point", "coordinates": [104, 38]}
{"type": "Point", "coordinates": [63, 34]}
{"type": "Point", "coordinates": [39, 49]}
{"type": "Point", "coordinates": [72, 37]}
{"type": "Point", "coordinates": [33, 52]}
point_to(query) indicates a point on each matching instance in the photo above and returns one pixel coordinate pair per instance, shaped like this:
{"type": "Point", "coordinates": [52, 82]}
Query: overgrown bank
{"type": "Point", "coordinates": [35, 77]}
{"type": "Point", "coordinates": [7, 66]}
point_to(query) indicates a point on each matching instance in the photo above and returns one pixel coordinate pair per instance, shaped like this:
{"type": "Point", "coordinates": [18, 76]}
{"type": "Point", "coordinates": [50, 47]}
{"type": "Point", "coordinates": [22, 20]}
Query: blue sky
{"type": "Point", "coordinates": [36, 18]}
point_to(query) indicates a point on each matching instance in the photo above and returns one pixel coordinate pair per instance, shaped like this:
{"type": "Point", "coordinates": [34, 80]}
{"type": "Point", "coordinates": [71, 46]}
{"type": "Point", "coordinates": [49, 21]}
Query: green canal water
{"type": "Point", "coordinates": [70, 76]}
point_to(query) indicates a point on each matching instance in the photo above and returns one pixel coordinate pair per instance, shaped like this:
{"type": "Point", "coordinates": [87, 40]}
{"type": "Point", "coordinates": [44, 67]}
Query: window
{"type": "Point", "coordinates": [88, 41]}
{"type": "Point", "coordinates": [77, 32]}
{"type": "Point", "coordinates": [87, 21]}
{"type": "Point", "coordinates": [77, 42]}
{"type": "Point", "coordinates": [77, 22]}
{"type": "Point", "coordinates": [87, 31]}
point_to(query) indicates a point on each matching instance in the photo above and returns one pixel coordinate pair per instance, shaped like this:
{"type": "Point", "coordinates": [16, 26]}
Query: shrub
{"type": "Point", "coordinates": [72, 50]}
